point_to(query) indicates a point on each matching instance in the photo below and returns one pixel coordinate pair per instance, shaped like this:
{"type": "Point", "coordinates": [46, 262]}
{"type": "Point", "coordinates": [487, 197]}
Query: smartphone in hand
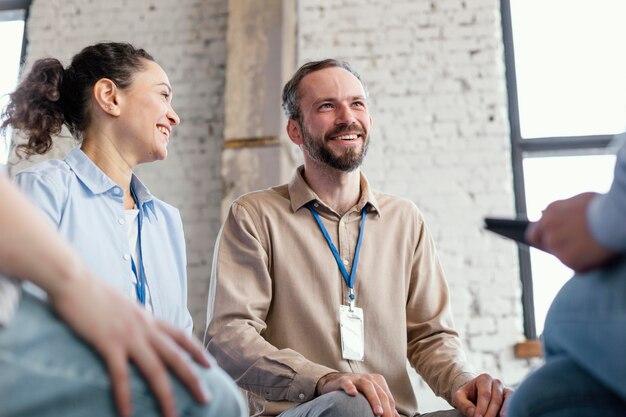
{"type": "Point", "coordinates": [511, 228]}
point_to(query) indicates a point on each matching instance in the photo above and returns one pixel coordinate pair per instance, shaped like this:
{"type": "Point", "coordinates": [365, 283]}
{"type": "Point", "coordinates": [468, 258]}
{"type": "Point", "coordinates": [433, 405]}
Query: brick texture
{"type": "Point", "coordinates": [435, 73]}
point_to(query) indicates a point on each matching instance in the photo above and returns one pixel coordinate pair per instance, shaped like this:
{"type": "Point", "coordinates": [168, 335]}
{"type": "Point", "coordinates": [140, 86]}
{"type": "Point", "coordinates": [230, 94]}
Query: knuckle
{"type": "Point", "coordinates": [485, 395]}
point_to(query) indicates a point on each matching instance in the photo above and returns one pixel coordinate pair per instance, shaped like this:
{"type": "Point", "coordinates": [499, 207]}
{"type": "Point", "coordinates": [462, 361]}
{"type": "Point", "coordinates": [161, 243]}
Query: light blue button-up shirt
{"type": "Point", "coordinates": [88, 209]}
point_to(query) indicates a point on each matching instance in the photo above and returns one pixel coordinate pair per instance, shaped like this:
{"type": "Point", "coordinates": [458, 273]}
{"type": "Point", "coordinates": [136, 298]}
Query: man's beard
{"type": "Point", "coordinates": [319, 150]}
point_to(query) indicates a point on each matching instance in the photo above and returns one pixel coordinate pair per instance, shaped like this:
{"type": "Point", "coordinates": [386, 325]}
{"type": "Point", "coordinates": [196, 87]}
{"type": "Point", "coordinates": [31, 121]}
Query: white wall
{"type": "Point", "coordinates": [435, 72]}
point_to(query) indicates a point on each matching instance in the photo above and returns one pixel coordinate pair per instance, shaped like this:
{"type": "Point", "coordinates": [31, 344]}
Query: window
{"type": "Point", "coordinates": [12, 22]}
{"type": "Point", "coordinates": [566, 77]}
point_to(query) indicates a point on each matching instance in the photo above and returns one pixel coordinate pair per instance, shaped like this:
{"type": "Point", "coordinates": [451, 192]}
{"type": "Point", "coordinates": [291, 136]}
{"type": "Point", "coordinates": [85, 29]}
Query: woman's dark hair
{"type": "Point", "coordinates": [291, 95]}
{"type": "Point", "coordinates": [51, 96]}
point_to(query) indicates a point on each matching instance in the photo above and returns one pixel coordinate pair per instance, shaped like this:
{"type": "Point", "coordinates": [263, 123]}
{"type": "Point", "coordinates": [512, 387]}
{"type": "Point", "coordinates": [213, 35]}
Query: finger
{"type": "Point", "coordinates": [175, 360]}
{"type": "Point", "coordinates": [366, 387]}
{"type": "Point", "coordinates": [496, 400]}
{"type": "Point", "coordinates": [507, 396]}
{"type": "Point", "coordinates": [382, 383]}
{"type": "Point", "coordinates": [117, 366]}
{"type": "Point", "coordinates": [150, 365]}
{"type": "Point", "coordinates": [190, 345]}
{"type": "Point", "coordinates": [348, 387]}
{"type": "Point", "coordinates": [463, 404]}
{"type": "Point", "coordinates": [461, 398]}
{"type": "Point", "coordinates": [483, 395]}
{"type": "Point", "coordinates": [385, 401]}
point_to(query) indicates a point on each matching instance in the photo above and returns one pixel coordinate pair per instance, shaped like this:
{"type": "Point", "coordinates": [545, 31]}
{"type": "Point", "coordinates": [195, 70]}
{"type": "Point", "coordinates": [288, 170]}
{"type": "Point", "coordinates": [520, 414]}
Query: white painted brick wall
{"type": "Point", "coordinates": [435, 73]}
{"type": "Point", "coordinates": [187, 38]}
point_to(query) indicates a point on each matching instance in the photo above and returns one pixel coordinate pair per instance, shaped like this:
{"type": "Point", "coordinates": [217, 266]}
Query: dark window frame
{"type": "Point", "coordinates": [536, 147]}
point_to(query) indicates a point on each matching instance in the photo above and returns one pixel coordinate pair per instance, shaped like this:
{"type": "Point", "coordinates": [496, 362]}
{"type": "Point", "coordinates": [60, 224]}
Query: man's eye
{"type": "Point", "coordinates": [326, 106]}
{"type": "Point", "coordinates": [166, 95]}
{"type": "Point", "coordinates": [358, 104]}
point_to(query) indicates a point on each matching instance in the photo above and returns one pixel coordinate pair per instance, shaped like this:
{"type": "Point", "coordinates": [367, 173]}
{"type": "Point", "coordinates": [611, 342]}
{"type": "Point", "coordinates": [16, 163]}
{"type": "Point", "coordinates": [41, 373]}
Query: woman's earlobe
{"type": "Point", "coordinates": [105, 93]}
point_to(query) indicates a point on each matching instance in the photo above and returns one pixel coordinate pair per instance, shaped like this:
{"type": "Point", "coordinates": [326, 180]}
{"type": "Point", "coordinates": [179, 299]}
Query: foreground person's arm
{"type": "Point", "coordinates": [114, 326]}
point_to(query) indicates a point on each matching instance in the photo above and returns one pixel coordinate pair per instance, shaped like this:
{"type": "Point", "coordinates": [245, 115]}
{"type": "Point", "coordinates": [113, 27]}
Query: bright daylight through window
{"type": "Point", "coordinates": [566, 71]}
{"type": "Point", "coordinates": [12, 34]}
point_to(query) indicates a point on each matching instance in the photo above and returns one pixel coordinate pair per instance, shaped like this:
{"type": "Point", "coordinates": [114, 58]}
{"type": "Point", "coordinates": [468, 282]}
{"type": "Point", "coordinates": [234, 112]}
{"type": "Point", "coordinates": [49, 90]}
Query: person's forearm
{"type": "Point", "coordinates": [29, 246]}
{"type": "Point", "coordinates": [261, 368]}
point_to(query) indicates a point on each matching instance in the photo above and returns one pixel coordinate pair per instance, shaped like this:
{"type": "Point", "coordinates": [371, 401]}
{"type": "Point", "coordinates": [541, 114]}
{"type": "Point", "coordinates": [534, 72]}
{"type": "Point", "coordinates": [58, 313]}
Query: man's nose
{"type": "Point", "coordinates": [345, 115]}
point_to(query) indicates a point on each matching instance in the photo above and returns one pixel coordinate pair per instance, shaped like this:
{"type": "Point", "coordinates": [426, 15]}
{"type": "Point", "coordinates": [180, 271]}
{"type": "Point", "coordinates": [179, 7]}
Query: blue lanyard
{"type": "Point", "coordinates": [140, 286]}
{"type": "Point", "coordinates": [349, 279]}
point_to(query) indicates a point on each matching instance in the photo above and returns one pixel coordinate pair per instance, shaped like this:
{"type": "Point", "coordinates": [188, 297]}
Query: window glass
{"type": "Point", "coordinates": [554, 178]}
{"type": "Point", "coordinates": [570, 66]}
{"type": "Point", "coordinates": [11, 33]}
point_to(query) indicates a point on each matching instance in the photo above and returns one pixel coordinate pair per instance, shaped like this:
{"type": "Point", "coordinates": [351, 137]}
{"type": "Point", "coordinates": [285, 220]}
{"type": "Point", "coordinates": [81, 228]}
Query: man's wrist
{"type": "Point", "coordinates": [321, 382]}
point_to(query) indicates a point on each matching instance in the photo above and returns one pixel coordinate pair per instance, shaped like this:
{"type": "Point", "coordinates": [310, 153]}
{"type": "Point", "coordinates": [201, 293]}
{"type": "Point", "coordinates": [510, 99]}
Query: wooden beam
{"type": "Point", "coordinates": [529, 349]}
{"type": "Point", "coordinates": [251, 142]}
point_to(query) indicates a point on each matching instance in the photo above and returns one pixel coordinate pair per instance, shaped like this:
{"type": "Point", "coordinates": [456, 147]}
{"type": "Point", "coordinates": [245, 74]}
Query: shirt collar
{"type": "Point", "coordinates": [300, 193]}
{"type": "Point", "coordinates": [142, 193]}
{"type": "Point", "coordinates": [97, 181]}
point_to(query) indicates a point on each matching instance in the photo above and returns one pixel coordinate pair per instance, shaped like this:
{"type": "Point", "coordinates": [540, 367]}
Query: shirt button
{"type": "Point", "coordinates": [117, 191]}
{"type": "Point", "coordinates": [345, 262]}
{"type": "Point", "coordinates": [301, 396]}
{"type": "Point", "coordinates": [126, 257]}
{"type": "Point", "coordinates": [121, 221]}
{"type": "Point", "coordinates": [314, 205]}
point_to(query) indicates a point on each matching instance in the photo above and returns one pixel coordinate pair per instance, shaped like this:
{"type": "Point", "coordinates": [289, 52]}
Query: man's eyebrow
{"type": "Point", "coordinates": [358, 97]}
{"type": "Point", "coordinates": [325, 99]}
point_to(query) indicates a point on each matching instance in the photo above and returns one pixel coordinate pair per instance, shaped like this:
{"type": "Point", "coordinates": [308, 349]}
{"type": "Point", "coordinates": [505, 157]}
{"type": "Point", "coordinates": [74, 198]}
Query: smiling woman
{"type": "Point", "coordinates": [117, 102]}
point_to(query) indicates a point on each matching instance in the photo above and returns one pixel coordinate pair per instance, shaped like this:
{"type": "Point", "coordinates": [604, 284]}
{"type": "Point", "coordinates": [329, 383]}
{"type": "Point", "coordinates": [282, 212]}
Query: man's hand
{"type": "Point", "coordinates": [483, 396]}
{"type": "Point", "coordinates": [120, 332]}
{"type": "Point", "coordinates": [372, 386]}
{"type": "Point", "coordinates": [563, 232]}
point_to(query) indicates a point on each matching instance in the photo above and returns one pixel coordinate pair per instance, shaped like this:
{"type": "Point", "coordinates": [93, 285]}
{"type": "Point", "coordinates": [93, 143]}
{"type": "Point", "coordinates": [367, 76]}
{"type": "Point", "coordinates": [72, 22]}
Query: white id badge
{"type": "Point", "coordinates": [352, 333]}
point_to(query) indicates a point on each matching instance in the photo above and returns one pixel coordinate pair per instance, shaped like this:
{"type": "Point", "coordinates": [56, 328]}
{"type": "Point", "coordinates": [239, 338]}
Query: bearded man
{"type": "Point", "coordinates": [322, 288]}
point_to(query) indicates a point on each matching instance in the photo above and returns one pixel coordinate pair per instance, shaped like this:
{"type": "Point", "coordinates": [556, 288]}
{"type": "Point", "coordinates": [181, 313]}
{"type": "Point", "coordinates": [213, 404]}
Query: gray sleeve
{"type": "Point", "coordinates": [606, 215]}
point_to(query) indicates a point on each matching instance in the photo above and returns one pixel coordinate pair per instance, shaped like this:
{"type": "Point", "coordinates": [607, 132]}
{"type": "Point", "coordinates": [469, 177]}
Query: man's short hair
{"type": "Point", "coordinates": [291, 95]}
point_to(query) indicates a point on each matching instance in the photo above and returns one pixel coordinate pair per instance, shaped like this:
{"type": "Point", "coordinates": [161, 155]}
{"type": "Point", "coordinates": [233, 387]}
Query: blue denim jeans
{"type": "Point", "coordinates": [585, 344]}
{"type": "Point", "coordinates": [46, 370]}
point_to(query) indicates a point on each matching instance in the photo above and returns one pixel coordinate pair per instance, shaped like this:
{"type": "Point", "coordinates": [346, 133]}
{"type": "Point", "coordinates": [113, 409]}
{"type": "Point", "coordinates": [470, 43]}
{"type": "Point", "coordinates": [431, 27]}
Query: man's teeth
{"type": "Point", "coordinates": [346, 137]}
{"type": "Point", "coordinates": [163, 130]}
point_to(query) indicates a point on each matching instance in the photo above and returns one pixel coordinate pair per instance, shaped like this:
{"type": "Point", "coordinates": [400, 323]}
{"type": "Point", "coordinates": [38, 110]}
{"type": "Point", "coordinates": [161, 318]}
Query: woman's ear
{"type": "Point", "coordinates": [105, 93]}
